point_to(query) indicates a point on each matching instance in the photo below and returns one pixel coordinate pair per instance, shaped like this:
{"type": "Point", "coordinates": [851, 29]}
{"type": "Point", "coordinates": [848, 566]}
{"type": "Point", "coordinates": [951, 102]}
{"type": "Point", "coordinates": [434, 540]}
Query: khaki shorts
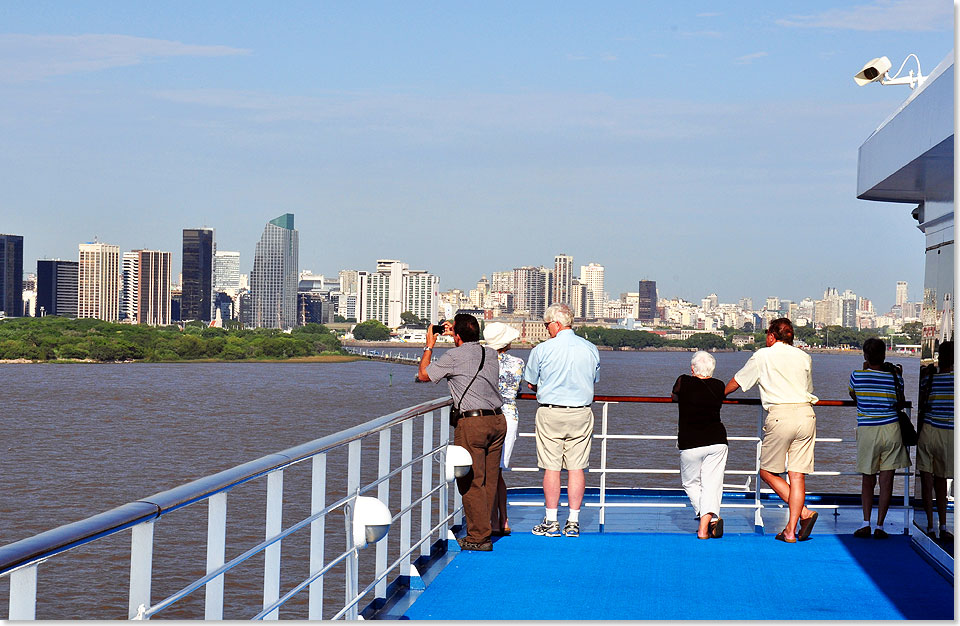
{"type": "Point", "coordinates": [564, 437]}
{"type": "Point", "coordinates": [880, 448]}
{"type": "Point", "coordinates": [935, 451]}
{"type": "Point", "coordinates": [788, 434]}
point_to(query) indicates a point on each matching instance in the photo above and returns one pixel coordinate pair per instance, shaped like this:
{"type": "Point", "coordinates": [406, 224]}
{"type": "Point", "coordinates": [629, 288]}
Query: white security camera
{"type": "Point", "coordinates": [873, 71]}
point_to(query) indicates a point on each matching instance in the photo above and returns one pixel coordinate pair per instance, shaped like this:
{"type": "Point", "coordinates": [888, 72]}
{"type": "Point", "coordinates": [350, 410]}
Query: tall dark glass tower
{"type": "Point", "coordinates": [196, 302]}
{"type": "Point", "coordinates": [11, 275]}
{"type": "Point", "coordinates": [648, 300]}
{"type": "Point", "coordinates": [57, 283]}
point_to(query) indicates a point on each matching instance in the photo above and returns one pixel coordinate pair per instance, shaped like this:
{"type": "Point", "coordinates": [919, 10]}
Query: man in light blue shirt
{"type": "Point", "coordinates": [563, 370]}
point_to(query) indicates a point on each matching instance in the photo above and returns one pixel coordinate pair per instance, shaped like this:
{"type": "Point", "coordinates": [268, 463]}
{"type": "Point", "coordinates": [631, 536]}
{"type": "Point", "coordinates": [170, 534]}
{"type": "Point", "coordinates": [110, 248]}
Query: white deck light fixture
{"type": "Point", "coordinates": [878, 71]}
{"type": "Point", "coordinates": [371, 521]}
{"type": "Point", "coordinates": [459, 462]}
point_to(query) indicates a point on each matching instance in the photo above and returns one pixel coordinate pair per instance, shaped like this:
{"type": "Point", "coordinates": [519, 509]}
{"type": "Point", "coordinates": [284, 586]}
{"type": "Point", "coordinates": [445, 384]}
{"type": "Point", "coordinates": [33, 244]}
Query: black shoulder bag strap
{"type": "Point", "coordinates": [483, 356]}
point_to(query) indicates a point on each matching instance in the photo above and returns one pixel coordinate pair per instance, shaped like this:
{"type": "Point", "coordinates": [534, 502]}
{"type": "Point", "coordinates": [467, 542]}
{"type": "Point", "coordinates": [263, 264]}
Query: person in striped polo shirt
{"type": "Point", "coordinates": [880, 448]}
{"type": "Point", "coordinates": [935, 446]}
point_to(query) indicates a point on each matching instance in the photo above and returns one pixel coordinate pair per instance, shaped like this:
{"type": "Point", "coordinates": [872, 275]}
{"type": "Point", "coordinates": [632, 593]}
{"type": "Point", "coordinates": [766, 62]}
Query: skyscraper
{"type": "Point", "coordinates": [562, 278]}
{"type": "Point", "coordinates": [226, 271]}
{"type": "Point", "coordinates": [274, 279]}
{"type": "Point", "coordinates": [901, 293]}
{"type": "Point", "coordinates": [153, 287]}
{"type": "Point", "coordinates": [98, 276]}
{"type": "Point", "coordinates": [529, 291]}
{"type": "Point", "coordinates": [11, 275]}
{"type": "Point", "coordinates": [592, 276]}
{"type": "Point", "coordinates": [57, 288]}
{"type": "Point", "coordinates": [196, 301]}
{"type": "Point", "coordinates": [647, 300]}
{"type": "Point", "coordinates": [129, 281]}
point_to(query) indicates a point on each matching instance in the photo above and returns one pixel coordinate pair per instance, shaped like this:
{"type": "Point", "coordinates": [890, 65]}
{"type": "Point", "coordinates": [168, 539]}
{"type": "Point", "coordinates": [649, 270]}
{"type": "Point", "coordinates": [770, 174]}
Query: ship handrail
{"type": "Point", "coordinates": [20, 559]}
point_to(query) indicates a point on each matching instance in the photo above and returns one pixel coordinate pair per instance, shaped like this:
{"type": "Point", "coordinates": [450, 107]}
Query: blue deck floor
{"type": "Point", "coordinates": [665, 576]}
{"type": "Point", "coordinates": [650, 565]}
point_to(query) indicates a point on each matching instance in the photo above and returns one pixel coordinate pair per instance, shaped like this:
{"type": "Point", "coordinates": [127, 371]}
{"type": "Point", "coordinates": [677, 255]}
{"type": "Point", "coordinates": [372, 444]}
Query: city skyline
{"type": "Point", "coordinates": [695, 148]}
{"type": "Point", "coordinates": [900, 290]}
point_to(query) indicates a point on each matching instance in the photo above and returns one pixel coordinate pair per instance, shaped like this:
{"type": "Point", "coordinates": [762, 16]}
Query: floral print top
{"type": "Point", "coordinates": [511, 374]}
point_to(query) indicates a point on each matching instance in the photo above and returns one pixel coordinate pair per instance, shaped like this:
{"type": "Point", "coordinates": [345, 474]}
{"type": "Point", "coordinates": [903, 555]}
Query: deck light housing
{"type": "Point", "coordinates": [458, 462]}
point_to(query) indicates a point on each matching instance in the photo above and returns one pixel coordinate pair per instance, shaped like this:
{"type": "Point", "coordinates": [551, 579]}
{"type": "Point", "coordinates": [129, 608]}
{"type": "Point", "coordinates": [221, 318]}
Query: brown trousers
{"type": "Point", "coordinates": [482, 436]}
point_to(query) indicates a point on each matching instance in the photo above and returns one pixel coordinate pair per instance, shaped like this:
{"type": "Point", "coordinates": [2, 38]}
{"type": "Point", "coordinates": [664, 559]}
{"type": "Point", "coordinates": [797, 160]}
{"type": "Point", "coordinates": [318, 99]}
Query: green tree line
{"type": "Point", "coordinates": [623, 338]}
{"type": "Point", "coordinates": [51, 338]}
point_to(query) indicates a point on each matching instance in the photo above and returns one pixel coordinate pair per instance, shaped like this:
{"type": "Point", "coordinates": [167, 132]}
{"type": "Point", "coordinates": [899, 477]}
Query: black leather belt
{"type": "Point", "coordinates": [560, 406]}
{"type": "Point", "coordinates": [479, 412]}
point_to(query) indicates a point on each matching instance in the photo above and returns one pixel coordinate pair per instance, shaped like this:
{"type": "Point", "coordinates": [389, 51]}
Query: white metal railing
{"type": "Point", "coordinates": [604, 470]}
{"type": "Point", "coordinates": [21, 560]}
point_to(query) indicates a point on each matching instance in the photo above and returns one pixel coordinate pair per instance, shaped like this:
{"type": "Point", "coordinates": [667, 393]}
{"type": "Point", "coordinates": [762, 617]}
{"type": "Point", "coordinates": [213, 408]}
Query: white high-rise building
{"type": "Point", "coordinates": [129, 282]}
{"type": "Point", "coordinates": [226, 272]}
{"type": "Point", "coordinates": [529, 292]}
{"type": "Point", "coordinates": [98, 278]}
{"type": "Point", "coordinates": [901, 293]}
{"type": "Point", "coordinates": [502, 281]}
{"type": "Point", "coordinates": [562, 279]}
{"type": "Point", "coordinates": [273, 282]}
{"type": "Point", "coordinates": [592, 276]}
{"type": "Point", "coordinates": [421, 295]}
{"type": "Point", "coordinates": [394, 289]}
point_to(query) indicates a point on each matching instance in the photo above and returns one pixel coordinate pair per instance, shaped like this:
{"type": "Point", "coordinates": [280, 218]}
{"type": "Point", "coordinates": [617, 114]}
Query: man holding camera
{"type": "Point", "coordinates": [472, 373]}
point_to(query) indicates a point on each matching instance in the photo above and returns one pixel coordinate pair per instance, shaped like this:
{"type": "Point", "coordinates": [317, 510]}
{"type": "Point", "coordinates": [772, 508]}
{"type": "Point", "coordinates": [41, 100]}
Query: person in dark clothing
{"type": "Point", "coordinates": [472, 373]}
{"type": "Point", "coordinates": [702, 440]}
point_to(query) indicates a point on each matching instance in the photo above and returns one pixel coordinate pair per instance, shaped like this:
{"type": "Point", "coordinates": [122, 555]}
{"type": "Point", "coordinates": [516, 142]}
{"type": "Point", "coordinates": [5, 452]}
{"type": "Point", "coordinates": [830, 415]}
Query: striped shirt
{"type": "Point", "coordinates": [940, 401]}
{"type": "Point", "coordinates": [876, 397]}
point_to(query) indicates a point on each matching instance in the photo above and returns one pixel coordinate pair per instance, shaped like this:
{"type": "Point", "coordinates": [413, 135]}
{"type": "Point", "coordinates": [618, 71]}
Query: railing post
{"type": "Point", "coordinates": [141, 567]}
{"type": "Point", "coordinates": [406, 486]}
{"type": "Point", "coordinates": [444, 489]}
{"type": "Point", "coordinates": [23, 594]}
{"type": "Point", "coordinates": [758, 507]}
{"type": "Point", "coordinates": [383, 494]}
{"type": "Point", "coordinates": [426, 478]}
{"type": "Point", "coordinates": [352, 562]}
{"type": "Point", "coordinates": [318, 500]}
{"type": "Point", "coordinates": [216, 549]}
{"type": "Point", "coordinates": [274, 524]}
{"type": "Point", "coordinates": [603, 466]}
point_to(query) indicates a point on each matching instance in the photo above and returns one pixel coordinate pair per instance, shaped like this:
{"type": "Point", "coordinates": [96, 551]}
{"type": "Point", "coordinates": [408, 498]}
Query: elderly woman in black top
{"type": "Point", "coordinates": [702, 440]}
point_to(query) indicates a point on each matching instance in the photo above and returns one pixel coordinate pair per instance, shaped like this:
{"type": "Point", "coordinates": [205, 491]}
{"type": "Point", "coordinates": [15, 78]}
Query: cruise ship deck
{"type": "Point", "coordinates": [648, 564]}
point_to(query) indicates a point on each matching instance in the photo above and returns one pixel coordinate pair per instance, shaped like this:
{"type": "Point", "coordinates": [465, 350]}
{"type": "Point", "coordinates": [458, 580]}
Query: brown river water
{"type": "Point", "coordinates": [79, 439]}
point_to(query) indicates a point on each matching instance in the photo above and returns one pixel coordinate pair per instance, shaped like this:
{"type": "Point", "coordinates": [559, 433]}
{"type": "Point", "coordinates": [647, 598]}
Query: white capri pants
{"type": "Point", "coordinates": [701, 471]}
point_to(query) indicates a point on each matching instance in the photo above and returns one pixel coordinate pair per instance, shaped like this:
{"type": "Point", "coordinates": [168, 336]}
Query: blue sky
{"type": "Point", "coordinates": [711, 147]}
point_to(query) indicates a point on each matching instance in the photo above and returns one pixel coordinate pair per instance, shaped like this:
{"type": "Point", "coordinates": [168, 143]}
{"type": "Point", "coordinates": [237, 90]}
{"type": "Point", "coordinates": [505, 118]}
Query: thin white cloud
{"type": "Point", "coordinates": [34, 57]}
{"type": "Point", "coordinates": [432, 119]}
{"type": "Point", "coordinates": [882, 15]}
{"type": "Point", "coordinates": [750, 58]}
{"type": "Point", "coordinates": [702, 34]}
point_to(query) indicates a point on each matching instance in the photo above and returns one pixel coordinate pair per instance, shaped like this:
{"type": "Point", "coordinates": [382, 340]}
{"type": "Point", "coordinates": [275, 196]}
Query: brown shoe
{"type": "Point", "coordinates": [806, 526]}
{"type": "Point", "coordinates": [880, 533]}
{"type": "Point", "coordinates": [486, 546]}
{"type": "Point", "coordinates": [862, 533]}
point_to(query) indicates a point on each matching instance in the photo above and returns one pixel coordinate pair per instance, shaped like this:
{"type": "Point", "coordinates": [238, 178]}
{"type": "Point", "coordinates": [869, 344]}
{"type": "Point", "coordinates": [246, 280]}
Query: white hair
{"type": "Point", "coordinates": [703, 363]}
{"type": "Point", "coordinates": [559, 313]}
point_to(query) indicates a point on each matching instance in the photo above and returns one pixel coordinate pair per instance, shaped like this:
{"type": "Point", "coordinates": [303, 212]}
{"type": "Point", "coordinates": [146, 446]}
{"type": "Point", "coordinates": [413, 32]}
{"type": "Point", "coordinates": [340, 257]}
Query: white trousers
{"type": "Point", "coordinates": [701, 471]}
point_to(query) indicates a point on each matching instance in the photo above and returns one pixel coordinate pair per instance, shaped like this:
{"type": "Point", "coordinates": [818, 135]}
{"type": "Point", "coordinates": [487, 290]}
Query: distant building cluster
{"type": "Point", "coordinates": [138, 287]}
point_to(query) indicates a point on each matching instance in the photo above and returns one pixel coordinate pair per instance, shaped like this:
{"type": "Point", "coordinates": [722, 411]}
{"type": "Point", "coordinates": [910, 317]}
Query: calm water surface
{"type": "Point", "coordinates": [80, 439]}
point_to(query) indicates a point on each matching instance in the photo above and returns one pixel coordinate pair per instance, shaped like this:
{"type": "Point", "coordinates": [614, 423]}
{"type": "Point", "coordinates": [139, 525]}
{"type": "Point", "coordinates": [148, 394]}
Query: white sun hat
{"type": "Point", "coordinates": [498, 334]}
